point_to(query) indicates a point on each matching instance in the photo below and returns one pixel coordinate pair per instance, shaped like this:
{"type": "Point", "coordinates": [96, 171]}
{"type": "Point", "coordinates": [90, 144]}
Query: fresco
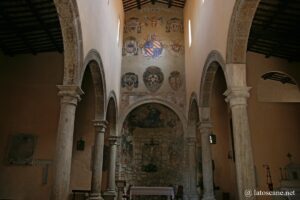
{"type": "Point", "coordinates": [175, 80]}
{"type": "Point", "coordinates": [130, 47]}
{"type": "Point", "coordinates": [130, 80]}
{"type": "Point", "coordinates": [153, 21]}
{"type": "Point", "coordinates": [153, 47]}
{"type": "Point", "coordinates": [174, 25]}
{"type": "Point", "coordinates": [152, 147]}
{"type": "Point", "coordinates": [153, 78]}
{"type": "Point", "coordinates": [133, 25]}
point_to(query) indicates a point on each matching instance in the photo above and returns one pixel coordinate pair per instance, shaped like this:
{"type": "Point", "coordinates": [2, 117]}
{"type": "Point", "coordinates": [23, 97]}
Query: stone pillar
{"type": "Point", "coordinates": [70, 96]}
{"type": "Point", "coordinates": [111, 190]}
{"type": "Point", "coordinates": [208, 188]}
{"type": "Point", "coordinates": [100, 127]}
{"type": "Point", "coordinates": [192, 163]}
{"type": "Point", "coordinates": [237, 98]}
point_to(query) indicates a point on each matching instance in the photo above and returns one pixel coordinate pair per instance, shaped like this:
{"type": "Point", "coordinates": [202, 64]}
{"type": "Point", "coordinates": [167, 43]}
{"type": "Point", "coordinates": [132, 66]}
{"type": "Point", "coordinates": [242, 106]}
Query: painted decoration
{"type": "Point", "coordinates": [153, 21]}
{"type": "Point", "coordinates": [130, 47]}
{"type": "Point", "coordinates": [175, 80]}
{"type": "Point", "coordinates": [133, 25]}
{"type": "Point", "coordinates": [174, 25]}
{"type": "Point", "coordinates": [152, 48]}
{"type": "Point", "coordinates": [176, 48]}
{"type": "Point", "coordinates": [21, 149]}
{"type": "Point", "coordinates": [130, 80]}
{"type": "Point", "coordinates": [153, 78]}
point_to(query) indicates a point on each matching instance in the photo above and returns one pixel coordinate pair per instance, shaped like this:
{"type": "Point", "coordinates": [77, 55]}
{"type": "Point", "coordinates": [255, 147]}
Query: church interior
{"type": "Point", "coordinates": [143, 99]}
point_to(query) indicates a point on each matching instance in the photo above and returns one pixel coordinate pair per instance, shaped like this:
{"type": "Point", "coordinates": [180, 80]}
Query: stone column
{"type": "Point", "coordinates": [208, 188]}
{"type": "Point", "coordinates": [100, 127]}
{"type": "Point", "coordinates": [111, 190]}
{"type": "Point", "coordinates": [193, 194]}
{"type": "Point", "coordinates": [237, 98]}
{"type": "Point", "coordinates": [70, 95]}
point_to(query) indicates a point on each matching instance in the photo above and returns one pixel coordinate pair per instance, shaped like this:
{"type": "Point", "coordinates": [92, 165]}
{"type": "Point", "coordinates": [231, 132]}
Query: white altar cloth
{"type": "Point", "coordinates": [142, 190]}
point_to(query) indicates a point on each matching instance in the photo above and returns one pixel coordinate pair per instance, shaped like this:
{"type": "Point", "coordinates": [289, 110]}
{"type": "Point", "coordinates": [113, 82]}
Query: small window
{"type": "Point", "coordinates": [118, 31]}
{"type": "Point", "coordinates": [190, 33]}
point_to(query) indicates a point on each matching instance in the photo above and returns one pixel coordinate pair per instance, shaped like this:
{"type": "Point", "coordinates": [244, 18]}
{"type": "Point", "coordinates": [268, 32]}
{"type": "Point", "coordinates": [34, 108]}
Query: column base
{"type": "Point", "coordinates": [193, 196]}
{"type": "Point", "coordinates": [109, 195]}
{"type": "Point", "coordinates": [95, 196]}
{"type": "Point", "coordinates": [208, 198]}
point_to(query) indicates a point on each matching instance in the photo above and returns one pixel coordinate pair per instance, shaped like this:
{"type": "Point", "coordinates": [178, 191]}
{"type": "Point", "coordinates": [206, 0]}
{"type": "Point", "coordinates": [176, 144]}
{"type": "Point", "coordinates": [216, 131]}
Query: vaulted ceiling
{"type": "Point", "coordinates": [131, 4]}
{"type": "Point", "coordinates": [275, 30]}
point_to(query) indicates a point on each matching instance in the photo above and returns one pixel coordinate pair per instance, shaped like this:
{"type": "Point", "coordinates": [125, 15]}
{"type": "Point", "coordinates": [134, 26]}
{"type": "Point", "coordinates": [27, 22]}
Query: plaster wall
{"type": "Point", "coordinates": [274, 126]}
{"type": "Point", "coordinates": [29, 104]}
{"type": "Point", "coordinates": [209, 29]}
{"type": "Point", "coordinates": [99, 24]}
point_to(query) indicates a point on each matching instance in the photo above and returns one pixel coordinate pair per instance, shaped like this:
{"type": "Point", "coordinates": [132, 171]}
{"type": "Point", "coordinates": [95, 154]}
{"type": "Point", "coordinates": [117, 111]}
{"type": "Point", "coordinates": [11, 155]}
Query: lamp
{"type": "Point", "coordinates": [212, 138]}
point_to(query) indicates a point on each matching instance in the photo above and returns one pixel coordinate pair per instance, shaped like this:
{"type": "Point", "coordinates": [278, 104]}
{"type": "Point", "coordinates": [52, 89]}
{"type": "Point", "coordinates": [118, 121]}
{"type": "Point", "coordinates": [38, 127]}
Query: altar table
{"type": "Point", "coordinates": [142, 190]}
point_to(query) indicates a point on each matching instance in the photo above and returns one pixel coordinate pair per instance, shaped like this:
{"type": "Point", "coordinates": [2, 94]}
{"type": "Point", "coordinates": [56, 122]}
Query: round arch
{"type": "Point", "coordinates": [193, 113]}
{"type": "Point", "coordinates": [72, 39]}
{"type": "Point", "coordinates": [93, 61]}
{"type": "Point", "coordinates": [112, 112]}
{"type": "Point", "coordinates": [213, 62]}
{"type": "Point", "coordinates": [172, 107]}
{"type": "Point", "coordinates": [239, 30]}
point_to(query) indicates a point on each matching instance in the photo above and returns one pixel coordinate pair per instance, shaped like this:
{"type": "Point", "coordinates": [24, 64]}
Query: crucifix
{"type": "Point", "coordinates": [151, 145]}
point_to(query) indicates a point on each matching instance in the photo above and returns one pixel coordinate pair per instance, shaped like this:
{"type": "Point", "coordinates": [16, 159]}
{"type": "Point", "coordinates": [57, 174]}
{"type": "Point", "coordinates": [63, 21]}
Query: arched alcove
{"type": "Point", "coordinates": [152, 146]}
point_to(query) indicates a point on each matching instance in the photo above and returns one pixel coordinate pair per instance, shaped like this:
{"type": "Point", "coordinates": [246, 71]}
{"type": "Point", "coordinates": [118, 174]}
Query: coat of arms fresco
{"type": "Point", "coordinates": [130, 80]}
{"type": "Point", "coordinates": [153, 78]}
{"type": "Point", "coordinates": [175, 80]}
{"type": "Point", "coordinates": [152, 48]}
{"type": "Point", "coordinates": [130, 47]}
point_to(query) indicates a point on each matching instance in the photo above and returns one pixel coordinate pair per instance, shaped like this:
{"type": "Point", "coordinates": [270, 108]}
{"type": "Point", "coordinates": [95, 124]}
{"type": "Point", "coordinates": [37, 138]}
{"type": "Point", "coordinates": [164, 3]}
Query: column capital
{"type": "Point", "coordinates": [70, 94]}
{"type": "Point", "coordinates": [204, 125]}
{"type": "Point", "coordinates": [113, 140]}
{"type": "Point", "coordinates": [100, 125]}
{"type": "Point", "coordinates": [237, 95]}
{"type": "Point", "coordinates": [191, 140]}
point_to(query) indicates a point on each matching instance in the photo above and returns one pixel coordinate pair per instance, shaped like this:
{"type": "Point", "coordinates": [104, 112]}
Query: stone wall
{"type": "Point", "coordinates": [153, 55]}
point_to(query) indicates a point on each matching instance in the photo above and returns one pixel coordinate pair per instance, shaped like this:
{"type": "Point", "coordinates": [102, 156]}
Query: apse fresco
{"type": "Point", "coordinates": [152, 147]}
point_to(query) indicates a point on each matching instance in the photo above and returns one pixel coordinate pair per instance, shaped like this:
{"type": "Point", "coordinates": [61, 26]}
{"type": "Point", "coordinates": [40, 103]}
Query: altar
{"type": "Point", "coordinates": [143, 190]}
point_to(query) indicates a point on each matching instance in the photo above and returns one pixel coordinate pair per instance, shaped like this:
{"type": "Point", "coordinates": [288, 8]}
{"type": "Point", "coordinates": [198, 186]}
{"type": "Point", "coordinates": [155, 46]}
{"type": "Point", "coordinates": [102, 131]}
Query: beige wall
{"type": "Point", "coordinates": [274, 127]}
{"type": "Point", "coordinates": [210, 22]}
{"type": "Point", "coordinates": [29, 104]}
{"type": "Point", "coordinates": [99, 23]}
{"type": "Point", "coordinates": [224, 174]}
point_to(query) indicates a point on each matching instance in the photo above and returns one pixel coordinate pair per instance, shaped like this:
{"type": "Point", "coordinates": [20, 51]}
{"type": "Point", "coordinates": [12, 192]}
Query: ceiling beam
{"type": "Point", "coordinates": [170, 3]}
{"type": "Point", "coordinates": [44, 27]}
{"type": "Point", "coordinates": [279, 9]}
{"type": "Point", "coordinates": [11, 25]}
{"type": "Point", "coordinates": [138, 2]}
